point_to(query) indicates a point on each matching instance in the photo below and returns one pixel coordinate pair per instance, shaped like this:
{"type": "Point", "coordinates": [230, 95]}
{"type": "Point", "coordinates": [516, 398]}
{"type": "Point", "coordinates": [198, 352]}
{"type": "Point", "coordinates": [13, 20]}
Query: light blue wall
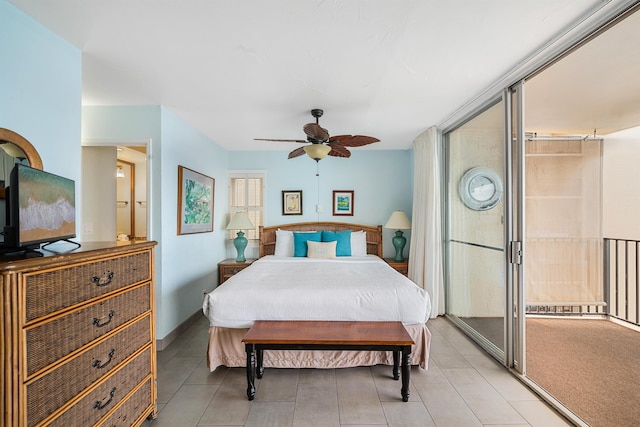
{"type": "Point", "coordinates": [381, 181]}
{"type": "Point", "coordinates": [40, 91]}
{"type": "Point", "coordinates": [187, 264]}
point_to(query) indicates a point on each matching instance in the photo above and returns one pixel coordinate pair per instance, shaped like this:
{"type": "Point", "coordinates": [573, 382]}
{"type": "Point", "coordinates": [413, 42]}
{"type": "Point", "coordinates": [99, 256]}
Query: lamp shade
{"type": "Point", "coordinates": [240, 221]}
{"type": "Point", "coordinates": [317, 151]}
{"type": "Point", "coordinates": [398, 221]}
{"type": "Point", "coordinates": [12, 150]}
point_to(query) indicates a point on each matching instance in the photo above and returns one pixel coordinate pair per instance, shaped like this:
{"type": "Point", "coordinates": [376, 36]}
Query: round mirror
{"type": "Point", "coordinates": [480, 189]}
{"type": "Point", "coordinates": [16, 146]}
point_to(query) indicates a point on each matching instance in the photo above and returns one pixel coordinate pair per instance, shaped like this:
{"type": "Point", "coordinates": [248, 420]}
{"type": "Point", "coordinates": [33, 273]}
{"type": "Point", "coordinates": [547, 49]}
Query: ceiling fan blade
{"type": "Point", "coordinates": [282, 140]}
{"type": "Point", "coordinates": [353, 140]}
{"type": "Point", "coordinates": [296, 153]}
{"type": "Point", "coordinates": [316, 132]}
{"type": "Point", "coordinates": [339, 151]}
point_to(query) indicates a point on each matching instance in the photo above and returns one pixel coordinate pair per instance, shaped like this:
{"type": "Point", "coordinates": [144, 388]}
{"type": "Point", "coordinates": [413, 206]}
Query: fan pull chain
{"type": "Point", "coordinates": [318, 193]}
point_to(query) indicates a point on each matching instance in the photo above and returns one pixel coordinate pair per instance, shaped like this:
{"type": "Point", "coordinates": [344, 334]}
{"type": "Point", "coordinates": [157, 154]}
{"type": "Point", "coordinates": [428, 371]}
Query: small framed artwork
{"type": "Point", "coordinates": [195, 201]}
{"type": "Point", "coordinates": [342, 202]}
{"type": "Point", "coordinates": [292, 202]}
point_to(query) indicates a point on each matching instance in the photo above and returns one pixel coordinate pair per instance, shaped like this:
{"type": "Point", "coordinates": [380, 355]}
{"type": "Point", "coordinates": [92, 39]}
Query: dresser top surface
{"type": "Point", "coordinates": [89, 250]}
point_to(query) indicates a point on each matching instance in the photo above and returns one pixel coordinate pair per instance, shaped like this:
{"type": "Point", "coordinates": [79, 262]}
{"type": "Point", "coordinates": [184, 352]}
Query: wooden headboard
{"type": "Point", "coordinates": [268, 234]}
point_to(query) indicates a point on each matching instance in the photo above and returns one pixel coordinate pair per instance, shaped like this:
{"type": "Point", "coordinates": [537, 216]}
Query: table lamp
{"type": "Point", "coordinates": [398, 221]}
{"type": "Point", "coordinates": [240, 221]}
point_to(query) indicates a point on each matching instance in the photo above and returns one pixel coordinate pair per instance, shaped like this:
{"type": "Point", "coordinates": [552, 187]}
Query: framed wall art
{"type": "Point", "coordinates": [195, 201]}
{"type": "Point", "coordinates": [343, 202]}
{"type": "Point", "coordinates": [292, 202]}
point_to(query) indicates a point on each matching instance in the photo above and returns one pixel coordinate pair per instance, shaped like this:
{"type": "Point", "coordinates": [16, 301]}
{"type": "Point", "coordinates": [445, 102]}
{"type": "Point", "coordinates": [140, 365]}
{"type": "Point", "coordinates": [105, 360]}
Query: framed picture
{"type": "Point", "coordinates": [292, 202]}
{"type": "Point", "coordinates": [195, 201]}
{"type": "Point", "coordinates": [342, 202]}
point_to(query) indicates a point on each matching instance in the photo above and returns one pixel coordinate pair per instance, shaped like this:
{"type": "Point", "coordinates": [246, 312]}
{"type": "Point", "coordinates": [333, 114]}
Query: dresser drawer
{"type": "Point", "coordinates": [50, 291]}
{"type": "Point", "coordinates": [127, 414]}
{"type": "Point", "coordinates": [58, 337]}
{"type": "Point", "coordinates": [51, 391]}
{"type": "Point", "coordinates": [95, 405]}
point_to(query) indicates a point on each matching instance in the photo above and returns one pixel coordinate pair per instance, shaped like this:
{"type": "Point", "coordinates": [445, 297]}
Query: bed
{"type": "Point", "coordinates": [341, 278]}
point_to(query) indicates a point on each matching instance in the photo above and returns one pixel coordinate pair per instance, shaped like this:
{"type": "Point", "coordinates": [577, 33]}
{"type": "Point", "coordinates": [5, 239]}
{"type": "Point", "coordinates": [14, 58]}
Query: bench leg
{"type": "Point", "coordinates": [260, 367]}
{"type": "Point", "coordinates": [251, 370]}
{"type": "Point", "coordinates": [406, 372]}
{"type": "Point", "coordinates": [396, 365]}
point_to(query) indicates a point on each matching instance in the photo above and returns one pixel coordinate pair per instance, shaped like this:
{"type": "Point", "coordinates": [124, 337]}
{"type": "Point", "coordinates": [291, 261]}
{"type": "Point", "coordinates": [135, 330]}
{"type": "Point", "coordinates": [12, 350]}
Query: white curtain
{"type": "Point", "coordinates": [425, 256]}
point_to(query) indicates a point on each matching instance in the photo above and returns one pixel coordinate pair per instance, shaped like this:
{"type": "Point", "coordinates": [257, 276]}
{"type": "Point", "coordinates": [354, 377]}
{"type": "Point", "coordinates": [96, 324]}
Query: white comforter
{"type": "Point", "coordinates": [349, 288]}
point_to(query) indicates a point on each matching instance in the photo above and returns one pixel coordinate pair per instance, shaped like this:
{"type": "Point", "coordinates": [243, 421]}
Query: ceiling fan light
{"type": "Point", "coordinates": [317, 151]}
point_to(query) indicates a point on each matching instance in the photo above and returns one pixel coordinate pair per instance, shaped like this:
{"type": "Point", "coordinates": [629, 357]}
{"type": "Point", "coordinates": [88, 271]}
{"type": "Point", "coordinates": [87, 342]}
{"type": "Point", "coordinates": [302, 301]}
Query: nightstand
{"type": "Point", "coordinates": [229, 267]}
{"type": "Point", "coordinates": [401, 267]}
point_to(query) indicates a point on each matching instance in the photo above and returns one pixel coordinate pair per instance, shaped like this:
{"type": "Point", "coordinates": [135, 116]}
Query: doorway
{"type": "Point", "coordinates": [125, 196]}
{"type": "Point", "coordinates": [131, 188]}
{"type": "Point", "coordinates": [579, 205]}
{"type": "Point", "coordinates": [116, 200]}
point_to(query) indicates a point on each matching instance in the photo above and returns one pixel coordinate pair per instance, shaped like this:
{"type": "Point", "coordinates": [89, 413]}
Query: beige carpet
{"type": "Point", "coordinates": [591, 366]}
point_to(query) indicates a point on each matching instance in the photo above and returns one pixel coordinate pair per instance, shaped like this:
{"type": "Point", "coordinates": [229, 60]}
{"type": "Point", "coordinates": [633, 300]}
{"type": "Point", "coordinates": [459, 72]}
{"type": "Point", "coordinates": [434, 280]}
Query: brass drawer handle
{"type": "Point", "coordinates": [100, 405]}
{"type": "Point", "coordinates": [96, 321]}
{"type": "Point", "coordinates": [103, 280]}
{"type": "Point", "coordinates": [98, 364]}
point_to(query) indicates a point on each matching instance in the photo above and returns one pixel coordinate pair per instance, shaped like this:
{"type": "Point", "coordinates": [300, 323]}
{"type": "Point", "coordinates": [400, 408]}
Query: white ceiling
{"type": "Point", "coordinates": [243, 69]}
{"type": "Point", "coordinates": [594, 88]}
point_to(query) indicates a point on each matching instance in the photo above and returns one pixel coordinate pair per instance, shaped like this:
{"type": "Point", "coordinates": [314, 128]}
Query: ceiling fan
{"type": "Point", "coordinates": [322, 144]}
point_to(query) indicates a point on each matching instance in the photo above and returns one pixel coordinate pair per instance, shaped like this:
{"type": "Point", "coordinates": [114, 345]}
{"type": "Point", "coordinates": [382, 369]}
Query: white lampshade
{"type": "Point", "coordinates": [317, 151]}
{"type": "Point", "coordinates": [240, 221]}
{"type": "Point", "coordinates": [12, 150]}
{"type": "Point", "coordinates": [398, 221]}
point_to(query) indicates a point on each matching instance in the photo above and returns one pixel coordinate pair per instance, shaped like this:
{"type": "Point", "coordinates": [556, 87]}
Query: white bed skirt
{"type": "Point", "coordinates": [226, 349]}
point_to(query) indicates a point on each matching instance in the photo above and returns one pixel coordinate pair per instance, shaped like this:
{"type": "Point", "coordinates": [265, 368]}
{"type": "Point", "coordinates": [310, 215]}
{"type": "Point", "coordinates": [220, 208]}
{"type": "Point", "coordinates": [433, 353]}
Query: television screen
{"type": "Point", "coordinates": [41, 207]}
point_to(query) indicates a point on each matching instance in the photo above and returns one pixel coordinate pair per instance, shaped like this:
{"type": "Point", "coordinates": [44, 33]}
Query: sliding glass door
{"type": "Point", "coordinates": [475, 242]}
{"type": "Point", "coordinates": [541, 234]}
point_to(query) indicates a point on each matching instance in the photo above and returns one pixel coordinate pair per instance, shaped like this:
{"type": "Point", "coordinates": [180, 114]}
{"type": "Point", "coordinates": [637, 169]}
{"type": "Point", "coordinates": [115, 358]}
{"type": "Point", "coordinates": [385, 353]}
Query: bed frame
{"type": "Point", "coordinates": [268, 234]}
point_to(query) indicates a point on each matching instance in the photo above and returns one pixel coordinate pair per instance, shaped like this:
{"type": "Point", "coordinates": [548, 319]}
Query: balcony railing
{"type": "Point", "coordinates": [622, 279]}
{"type": "Point", "coordinates": [564, 276]}
{"type": "Point", "coordinates": [620, 282]}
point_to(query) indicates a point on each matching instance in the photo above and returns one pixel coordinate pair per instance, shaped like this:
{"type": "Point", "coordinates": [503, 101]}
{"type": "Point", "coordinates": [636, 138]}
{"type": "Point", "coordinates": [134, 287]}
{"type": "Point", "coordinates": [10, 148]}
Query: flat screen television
{"type": "Point", "coordinates": [40, 208]}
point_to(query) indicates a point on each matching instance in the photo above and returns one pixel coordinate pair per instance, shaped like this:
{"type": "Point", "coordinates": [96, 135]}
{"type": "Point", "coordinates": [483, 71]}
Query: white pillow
{"type": "Point", "coordinates": [321, 249]}
{"type": "Point", "coordinates": [284, 243]}
{"type": "Point", "coordinates": [358, 243]}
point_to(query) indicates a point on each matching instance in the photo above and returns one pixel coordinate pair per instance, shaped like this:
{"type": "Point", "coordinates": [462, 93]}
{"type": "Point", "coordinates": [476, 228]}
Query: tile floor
{"type": "Point", "coordinates": [463, 387]}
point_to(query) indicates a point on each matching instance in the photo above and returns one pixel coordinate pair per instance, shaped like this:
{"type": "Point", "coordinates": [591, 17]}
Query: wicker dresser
{"type": "Point", "coordinates": [78, 337]}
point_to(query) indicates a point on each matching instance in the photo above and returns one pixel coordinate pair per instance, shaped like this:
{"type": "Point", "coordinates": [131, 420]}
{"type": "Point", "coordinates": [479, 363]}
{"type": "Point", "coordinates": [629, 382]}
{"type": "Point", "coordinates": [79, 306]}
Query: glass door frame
{"type": "Point", "coordinates": [513, 355]}
{"type": "Point", "coordinates": [500, 355]}
{"type": "Point", "coordinates": [515, 324]}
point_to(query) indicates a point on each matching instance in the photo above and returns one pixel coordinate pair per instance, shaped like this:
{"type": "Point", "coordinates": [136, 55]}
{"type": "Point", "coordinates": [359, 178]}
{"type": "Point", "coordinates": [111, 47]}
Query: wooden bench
{"type": "Point", "coordinates": [327, 335]}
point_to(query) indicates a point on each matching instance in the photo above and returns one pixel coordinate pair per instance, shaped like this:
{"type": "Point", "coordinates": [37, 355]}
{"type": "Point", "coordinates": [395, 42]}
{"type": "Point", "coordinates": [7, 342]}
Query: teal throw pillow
{"type": "Point", "coordinates": [343, 247]}
{"type": "Point", "coordinates": [300, 242]}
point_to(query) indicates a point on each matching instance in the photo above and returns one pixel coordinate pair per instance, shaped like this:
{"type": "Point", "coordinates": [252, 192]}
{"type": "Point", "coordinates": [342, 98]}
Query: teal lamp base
{"type": "Point", "coordinates": [399, 241]}
{"type": "Point", "coordinates": [240, 243]}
